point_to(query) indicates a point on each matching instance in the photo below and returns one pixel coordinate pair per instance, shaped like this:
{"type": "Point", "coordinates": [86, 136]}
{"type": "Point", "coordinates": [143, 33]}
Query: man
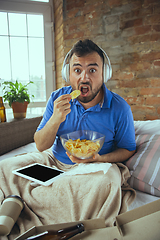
{"type": "Point", "coordinates": [97, 194]}
{"type": "Point", "coordinates": [95, 109]}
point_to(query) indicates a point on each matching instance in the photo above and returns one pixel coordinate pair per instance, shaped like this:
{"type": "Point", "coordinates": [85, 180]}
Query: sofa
{"type": "Point", "coordinates": [17, 138]}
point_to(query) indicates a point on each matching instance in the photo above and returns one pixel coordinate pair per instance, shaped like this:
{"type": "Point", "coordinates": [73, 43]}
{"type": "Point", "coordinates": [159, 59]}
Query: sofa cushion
{"type": "Point", "coordinates": [144, 165]}
{"type": "Point", "coordinates": [147, 127]}
{"type": "Point", "coordinates": [17, 133]}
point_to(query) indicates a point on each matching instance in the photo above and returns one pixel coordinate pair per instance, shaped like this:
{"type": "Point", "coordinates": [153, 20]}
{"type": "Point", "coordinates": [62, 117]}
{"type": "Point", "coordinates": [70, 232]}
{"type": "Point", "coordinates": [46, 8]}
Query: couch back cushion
{"type": "Point", "coordinates": [147, 127]}
{"type": "Point", "coordinates": [17, 133]}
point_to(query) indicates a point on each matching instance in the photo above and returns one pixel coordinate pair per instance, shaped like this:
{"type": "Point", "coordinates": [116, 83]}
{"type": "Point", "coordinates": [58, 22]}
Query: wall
{"type": "Point", "coordinates": [129, 31]}
{"type": "Point", "coordinates": [59, 41]}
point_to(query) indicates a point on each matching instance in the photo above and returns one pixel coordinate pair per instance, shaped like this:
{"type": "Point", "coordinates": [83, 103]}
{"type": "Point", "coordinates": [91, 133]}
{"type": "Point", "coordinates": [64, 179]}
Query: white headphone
{"type": "Point", "coordinates": [107, 69]}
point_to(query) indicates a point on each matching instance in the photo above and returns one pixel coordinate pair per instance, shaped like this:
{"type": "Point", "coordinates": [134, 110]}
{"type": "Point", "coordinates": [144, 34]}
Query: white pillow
{"type": "Point", "coordinates": [147, 127]}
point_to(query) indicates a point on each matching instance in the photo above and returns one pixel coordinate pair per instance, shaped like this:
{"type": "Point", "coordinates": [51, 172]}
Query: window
{"type": "Point", "coordinates": [26, 47]}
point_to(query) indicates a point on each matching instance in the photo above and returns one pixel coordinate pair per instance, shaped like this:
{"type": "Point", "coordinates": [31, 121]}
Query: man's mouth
{"type": "Point", "coordinates": [84, 90]}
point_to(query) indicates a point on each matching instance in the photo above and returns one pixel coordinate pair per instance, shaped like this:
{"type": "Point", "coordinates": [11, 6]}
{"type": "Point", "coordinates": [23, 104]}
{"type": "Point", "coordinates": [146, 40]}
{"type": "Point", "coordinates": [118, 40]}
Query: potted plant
{"type": "Point", "coordinates": [17, 96]}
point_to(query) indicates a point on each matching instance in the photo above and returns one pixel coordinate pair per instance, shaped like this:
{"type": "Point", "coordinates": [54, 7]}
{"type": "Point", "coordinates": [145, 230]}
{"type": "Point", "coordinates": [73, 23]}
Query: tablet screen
{"type": "Point", "coordinates": [42, 173]}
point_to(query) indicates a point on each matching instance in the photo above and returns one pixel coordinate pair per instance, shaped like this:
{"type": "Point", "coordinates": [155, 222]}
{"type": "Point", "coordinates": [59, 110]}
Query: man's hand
{"type": "Point", "coordinates": [44, 138]}
{"type": "Point", "coordinates": [95, 158]}
{"type": "Point", "coordinates": [61, 108]}
{"type": "Point", "coordinates": [119, 155]}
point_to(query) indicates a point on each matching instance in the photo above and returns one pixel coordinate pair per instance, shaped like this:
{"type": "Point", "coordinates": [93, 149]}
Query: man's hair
{"type": "Point", "coordinates": [82, 48]}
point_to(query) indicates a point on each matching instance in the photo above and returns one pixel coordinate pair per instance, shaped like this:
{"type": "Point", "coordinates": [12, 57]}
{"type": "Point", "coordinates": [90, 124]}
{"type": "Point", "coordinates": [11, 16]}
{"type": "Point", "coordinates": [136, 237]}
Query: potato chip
{"type": "Point", "coordinates": [82, 148]}
{"type": "Point", "coordinates": [75, 94]}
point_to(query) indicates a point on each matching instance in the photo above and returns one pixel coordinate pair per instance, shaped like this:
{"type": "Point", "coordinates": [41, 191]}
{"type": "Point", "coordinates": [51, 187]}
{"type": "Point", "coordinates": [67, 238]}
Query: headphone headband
{"type": "Point", "coordinates": [107, 69]}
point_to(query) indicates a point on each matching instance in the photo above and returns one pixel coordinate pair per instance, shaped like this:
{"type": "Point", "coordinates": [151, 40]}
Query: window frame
{"type": "Point", "coordinates": [45, 8]}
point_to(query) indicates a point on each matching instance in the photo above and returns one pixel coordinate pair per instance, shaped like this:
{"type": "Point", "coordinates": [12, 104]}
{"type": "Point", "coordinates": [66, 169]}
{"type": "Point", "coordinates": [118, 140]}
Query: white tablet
{"type": "Point", "coordinates": [39, 173]}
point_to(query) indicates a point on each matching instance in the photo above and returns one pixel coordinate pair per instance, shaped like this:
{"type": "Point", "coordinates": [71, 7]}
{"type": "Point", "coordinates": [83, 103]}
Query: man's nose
{"type": "Point", "coordinates": [84, 75]}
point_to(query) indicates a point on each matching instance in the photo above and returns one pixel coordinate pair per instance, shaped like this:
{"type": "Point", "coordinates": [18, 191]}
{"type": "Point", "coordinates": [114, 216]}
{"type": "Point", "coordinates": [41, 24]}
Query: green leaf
{"type": "Point", "coordinates": [16, 92]}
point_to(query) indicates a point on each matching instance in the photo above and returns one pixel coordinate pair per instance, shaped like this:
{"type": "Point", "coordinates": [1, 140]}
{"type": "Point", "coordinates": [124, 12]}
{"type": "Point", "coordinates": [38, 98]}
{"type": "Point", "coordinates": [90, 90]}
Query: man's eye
{"type": "Point", "coordinates": [77, 70]}
{"type": "Point", "coordinates": [92, 70]}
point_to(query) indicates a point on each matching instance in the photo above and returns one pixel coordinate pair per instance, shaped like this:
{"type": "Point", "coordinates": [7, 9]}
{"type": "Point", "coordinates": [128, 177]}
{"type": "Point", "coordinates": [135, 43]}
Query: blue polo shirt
{"type": "Point", "coordinates": [113, 118]}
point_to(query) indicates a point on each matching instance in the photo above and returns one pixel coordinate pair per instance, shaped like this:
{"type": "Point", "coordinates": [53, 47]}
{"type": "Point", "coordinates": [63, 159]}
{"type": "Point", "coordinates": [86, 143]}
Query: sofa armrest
{"type": "Point", "coordinates": [17, 133]}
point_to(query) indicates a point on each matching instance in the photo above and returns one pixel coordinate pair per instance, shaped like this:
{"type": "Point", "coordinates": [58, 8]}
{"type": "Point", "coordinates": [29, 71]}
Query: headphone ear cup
{"type": "Point", "coordinates": [107, 73]}
{"type": "Point", "coordinates": [65, 72]}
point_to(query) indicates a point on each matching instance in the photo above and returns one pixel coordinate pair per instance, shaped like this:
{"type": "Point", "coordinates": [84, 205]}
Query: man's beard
{"type": "Point", "coordinates": [91, 97]}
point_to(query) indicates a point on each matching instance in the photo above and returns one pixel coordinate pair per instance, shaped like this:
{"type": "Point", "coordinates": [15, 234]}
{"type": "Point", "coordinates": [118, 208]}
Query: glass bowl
{"type": "Point", "coordinates": [82, 144]}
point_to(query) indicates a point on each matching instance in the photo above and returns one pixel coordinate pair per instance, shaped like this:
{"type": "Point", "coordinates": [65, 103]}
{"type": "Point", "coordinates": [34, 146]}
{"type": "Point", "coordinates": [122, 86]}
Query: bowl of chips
{"type": "Point", "coordinates": [82, 144]}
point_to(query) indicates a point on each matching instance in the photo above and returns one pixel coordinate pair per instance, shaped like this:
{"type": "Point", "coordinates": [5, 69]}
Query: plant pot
{"type": "Point", "coordinates": [19, 109]}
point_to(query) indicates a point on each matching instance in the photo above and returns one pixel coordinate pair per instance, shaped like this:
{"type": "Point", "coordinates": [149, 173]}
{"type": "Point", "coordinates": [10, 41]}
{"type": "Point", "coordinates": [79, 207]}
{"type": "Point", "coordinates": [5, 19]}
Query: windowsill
{"type": "Point", "coordinates": [29, 114]}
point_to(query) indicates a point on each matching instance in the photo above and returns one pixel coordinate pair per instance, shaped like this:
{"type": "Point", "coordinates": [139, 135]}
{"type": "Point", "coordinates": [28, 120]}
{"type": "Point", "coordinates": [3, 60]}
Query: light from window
{"type": "Point", "coordinates": [22, 51]}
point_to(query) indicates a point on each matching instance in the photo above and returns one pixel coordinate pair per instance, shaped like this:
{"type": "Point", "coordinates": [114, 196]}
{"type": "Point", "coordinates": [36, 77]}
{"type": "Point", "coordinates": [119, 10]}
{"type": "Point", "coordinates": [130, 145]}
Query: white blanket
{"type": "Point", "coordinates": [71, 198]}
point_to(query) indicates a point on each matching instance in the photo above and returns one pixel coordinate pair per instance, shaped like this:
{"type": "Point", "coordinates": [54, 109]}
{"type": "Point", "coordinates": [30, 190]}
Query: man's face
{"type": "Point", "coordinates": [86, 75]}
